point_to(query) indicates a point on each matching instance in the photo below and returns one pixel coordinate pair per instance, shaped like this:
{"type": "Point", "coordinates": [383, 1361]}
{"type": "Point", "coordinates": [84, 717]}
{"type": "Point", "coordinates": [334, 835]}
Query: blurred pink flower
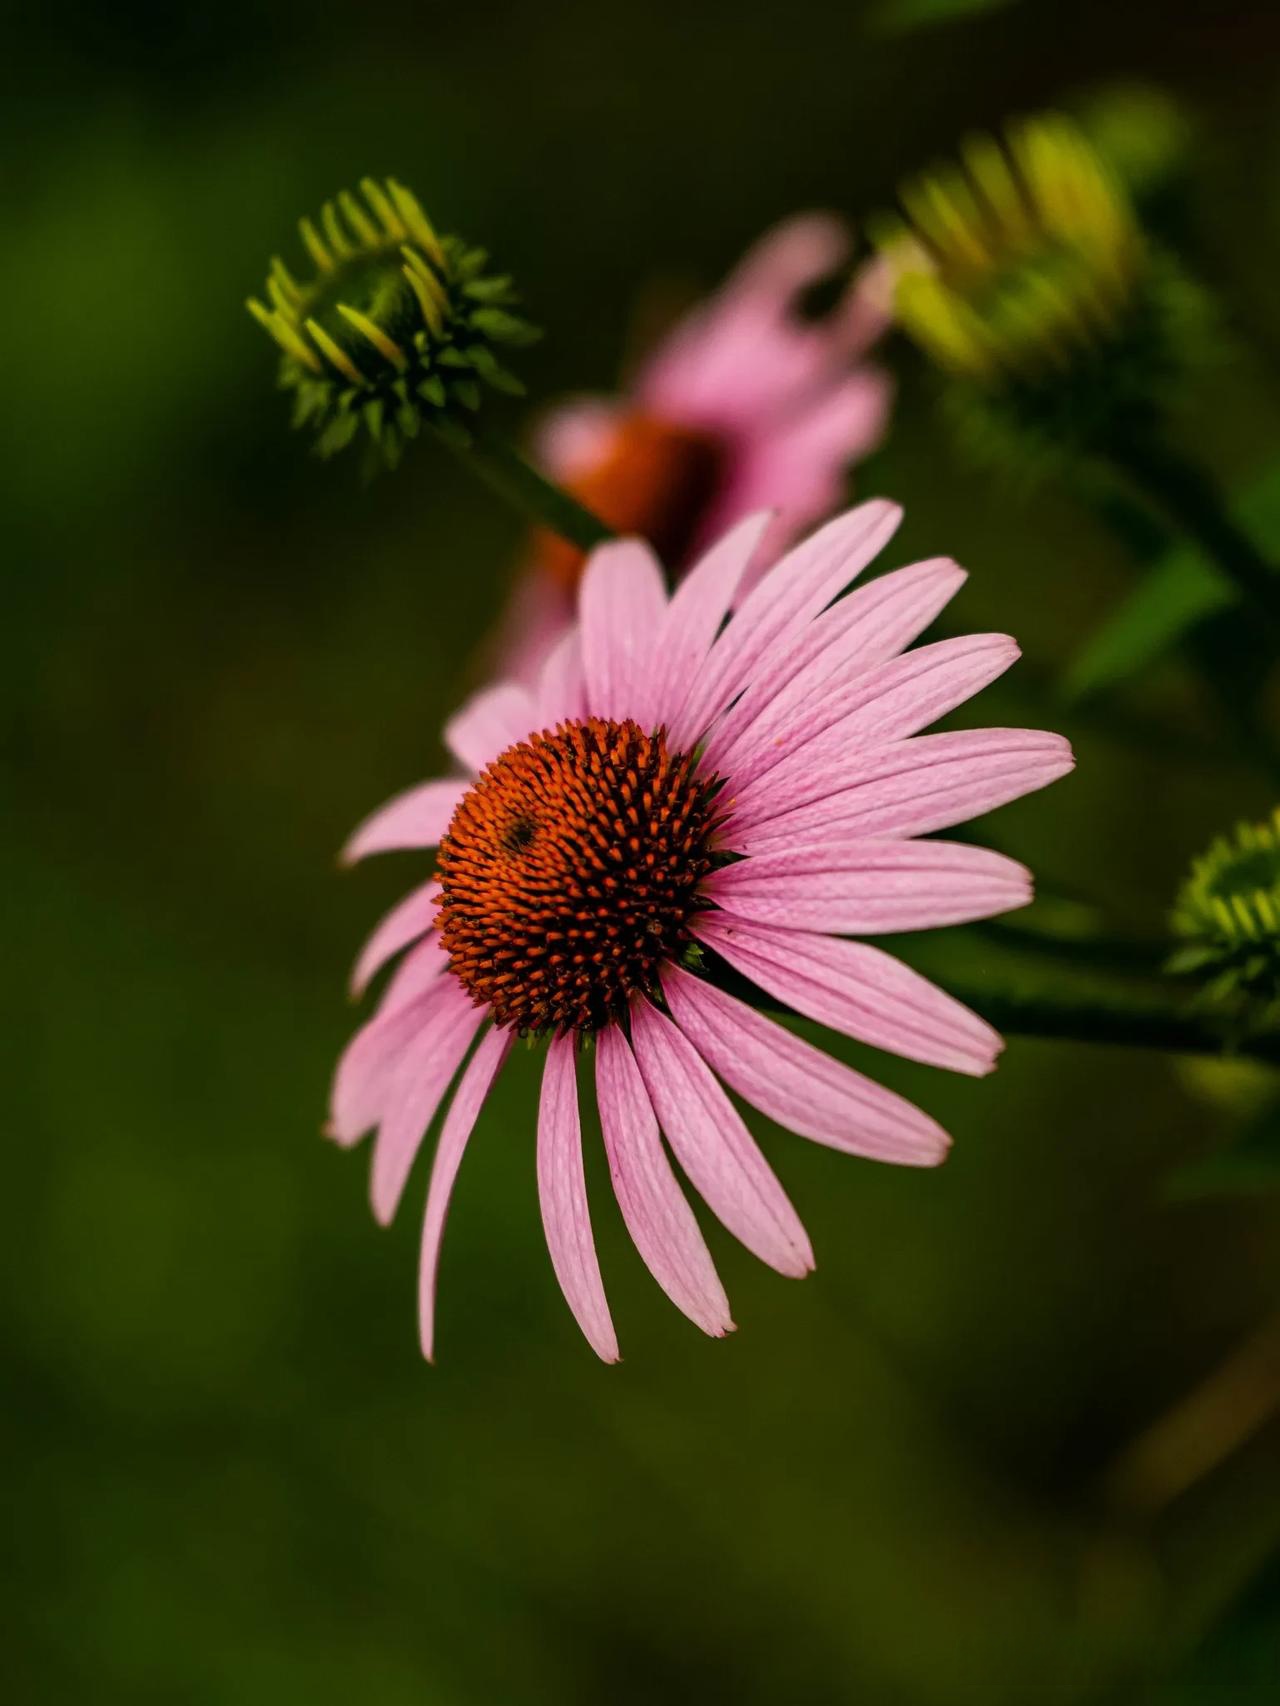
{"type": "Point", "coordinates": [744, 406]}
{"type": "Point", "coordinates": [681, 800]}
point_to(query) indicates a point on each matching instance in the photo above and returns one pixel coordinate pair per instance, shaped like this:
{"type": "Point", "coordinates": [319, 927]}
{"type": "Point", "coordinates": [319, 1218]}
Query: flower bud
{"type": "Point", "coordinates": [397, 327]}
{"type": "Point", "coordinates": [1023, 272]}
{"type": "Point", "coordinates": [1228, 914]}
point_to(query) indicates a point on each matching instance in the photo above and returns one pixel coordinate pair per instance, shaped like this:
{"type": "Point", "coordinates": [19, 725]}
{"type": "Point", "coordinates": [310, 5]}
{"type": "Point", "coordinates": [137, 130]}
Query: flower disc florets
{"type": "Point", "coordinates": [1229, 912]}
{"type": "Point", "coordinates": [570, 871]}
{"type": "Point", "coordinates": [396, 329]}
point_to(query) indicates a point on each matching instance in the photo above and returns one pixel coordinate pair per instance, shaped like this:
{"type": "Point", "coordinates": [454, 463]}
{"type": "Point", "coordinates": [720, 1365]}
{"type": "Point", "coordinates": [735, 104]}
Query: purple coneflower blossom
{"type": "Point", "coordinates": [699, 787]}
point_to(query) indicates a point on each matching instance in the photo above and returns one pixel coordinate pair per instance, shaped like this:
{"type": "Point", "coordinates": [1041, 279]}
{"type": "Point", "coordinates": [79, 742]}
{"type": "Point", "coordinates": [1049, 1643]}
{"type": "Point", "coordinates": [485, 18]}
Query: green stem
{"type": "Point", "coordinates": [1190, 499]}
{"type": "Point", "coordinates": [506, 472]}
{"type": "Point", "coordinates": [1125, 1019]}
{"type": "Point", "coordinates": [1130, 1022]}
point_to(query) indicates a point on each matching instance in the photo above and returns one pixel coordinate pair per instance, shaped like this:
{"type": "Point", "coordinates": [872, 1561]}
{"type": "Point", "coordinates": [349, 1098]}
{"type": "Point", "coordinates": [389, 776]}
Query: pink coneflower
{"type": "Point", "coordinates": [745, 405]}
{"type": "Point", "coordinates": [679, 797]}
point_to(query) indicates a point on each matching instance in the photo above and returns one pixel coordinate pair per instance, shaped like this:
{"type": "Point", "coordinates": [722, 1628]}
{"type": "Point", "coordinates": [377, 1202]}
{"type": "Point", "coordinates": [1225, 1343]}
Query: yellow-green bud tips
{"type": "Point", "coordinates": [1228, 912]}
{"type": "Point", "coordinates": [1011, 261]}
{"type": "Point", "coordinates": [395, 328]}
{"type": "Point", "coordinates": [1023, 271]}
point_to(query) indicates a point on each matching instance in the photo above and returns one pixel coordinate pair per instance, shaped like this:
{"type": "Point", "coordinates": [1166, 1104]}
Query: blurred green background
{"type": "Point", "coordinates": [230, 1476]}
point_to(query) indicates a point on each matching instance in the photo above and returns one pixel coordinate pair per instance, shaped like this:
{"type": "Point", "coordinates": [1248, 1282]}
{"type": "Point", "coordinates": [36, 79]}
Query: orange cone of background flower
{"type": "Point", "coordinates": [745, 405]}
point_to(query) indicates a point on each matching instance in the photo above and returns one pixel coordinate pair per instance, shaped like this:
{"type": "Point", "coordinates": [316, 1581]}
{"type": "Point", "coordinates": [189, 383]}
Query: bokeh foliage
{"type": "Point", "coordinates": [232, 1478]}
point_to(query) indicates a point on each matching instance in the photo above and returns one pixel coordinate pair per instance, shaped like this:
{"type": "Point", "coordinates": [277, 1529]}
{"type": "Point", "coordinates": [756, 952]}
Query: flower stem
{"type": "Point", "coordinates": [1129, 1021]}
{"type": "Point", "coordinates": [506, 472]}
{"type": "Point", "coordinates": [1122, 1017]}
{"type": "Point", "coordinates": [1190, 499]}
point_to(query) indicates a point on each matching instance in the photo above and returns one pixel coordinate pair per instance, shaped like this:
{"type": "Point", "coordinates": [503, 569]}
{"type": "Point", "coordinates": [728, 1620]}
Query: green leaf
{"type": "Point", "coordinates": [1178, 592]}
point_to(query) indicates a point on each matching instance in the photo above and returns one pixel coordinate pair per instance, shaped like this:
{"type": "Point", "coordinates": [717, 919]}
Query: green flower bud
{"type": "Point", "coordinates": [1228, 913]}
{"type": "Point", "coordinates": [398, 328]}
{"type": "Point", "coordinates": [1024, 273]}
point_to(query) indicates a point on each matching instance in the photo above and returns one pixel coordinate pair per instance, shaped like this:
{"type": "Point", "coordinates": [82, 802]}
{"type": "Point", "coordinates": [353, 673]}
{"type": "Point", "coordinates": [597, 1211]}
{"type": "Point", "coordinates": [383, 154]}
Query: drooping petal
{"type": "Point", "coordinates": [488, 724]}
{"type": "Point", "coordinates": [919, 785]}
{"type": "Point", "coordinates": [797, 1085]}
{"type": "Point", "coordinates": [621, 602]}
{"type": "Point", "coordinates": [416, 818]}
{"type": "Point", "coordinates": [872, 888]}
{"type": "Point", "coordinates": [711, 1143]}
{"type": "Point", "coordinates": [562, 1194]}
{"type": "Point", "coordinates": [791, 594]}
{"type": "Point", "coordinates": [417, 1092]}
{"type": "Point", "coordinates": [804, 758]}
{"type": "Point", "coordinates": [412, 918]}
{"type": "Point", "coordinates": [856, 988]}
{"type": "Point", "coordinates": [698, 606]}
{"type": "Point", "coordinates": [866, 628]}
{"type": "Point", "coordinates": [459, 1123]}
{"type": "Point", "coordinates": [657, 1216]}
{"type": "Point", "coordinates": [369, 1063]}
{"type": "Point", "coordinates": [417, 972]}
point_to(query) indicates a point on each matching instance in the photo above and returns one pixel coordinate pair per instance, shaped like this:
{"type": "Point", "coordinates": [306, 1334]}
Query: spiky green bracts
{"type": "Point", "coordinates": [397, 329]}
{"type": "Point", "coordinates": [1023, 272]}
{"type": "Point", "coordinates": [1228, 914]}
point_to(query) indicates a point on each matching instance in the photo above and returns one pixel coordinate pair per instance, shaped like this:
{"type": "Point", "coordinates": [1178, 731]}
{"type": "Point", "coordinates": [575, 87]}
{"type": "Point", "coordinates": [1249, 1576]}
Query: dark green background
{"type": "Point", "coordinates": [231, 1477]}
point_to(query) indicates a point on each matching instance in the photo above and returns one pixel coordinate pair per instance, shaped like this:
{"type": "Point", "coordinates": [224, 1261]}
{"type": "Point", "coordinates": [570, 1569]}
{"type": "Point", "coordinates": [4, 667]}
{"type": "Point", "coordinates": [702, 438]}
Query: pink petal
{"type": "Point", "coordinates": [658, 1218]}
{"type": "Point", "coordinates": [561, 695]}
{"type": "Point", "coordinates": [920, 785]}
{"type": "Point", "coordinates": [858, 989]}
{"type": "Point", "coordinates": [802, 757]}
{"type": "Point", "coordinates": [789, 596]}
{"type": "Point", "coordinates": [797, 1085]}
{"type": "Point", "coordinates": [871, 888]}
{"type": "Point", "coordinates": [403, 924]}
{"type": "Point", "coordinates": [417, 1091]}
{"type": "Point", "coordinates": [698, 607]}
{"type": "Point", "coordinates": [369, 1064]}
{"type": "Point", "coordinates": [488, 724]}
{"type": "Point", "coordinates": [570, 437]}
{"type": "Point", "coordinates": [867, 628]}
{"type": "Point", "coordinates": [621, 601]}
{"type": "Point", "coordinates": [416, 818]}
{"type": "Point", "coordinates": [798, 462]}
{"type": "Point", "coordinates": [416, 973]}
{"type": "Point", "coordinates": [711, 1143]}
{"type": "Point", "coordinates": [745, 354]}
{"type": "Point", "coordinates": [464, 1110]}
{"type": "Point", "coordinates": [562, 1193]}
{"type": "Point", "coordinates": [867, 310]}
{"type": "Point", "coordinates": [538, 614]}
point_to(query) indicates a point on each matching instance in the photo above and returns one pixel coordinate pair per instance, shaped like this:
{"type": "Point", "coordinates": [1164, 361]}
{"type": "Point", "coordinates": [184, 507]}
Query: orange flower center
{"type": "Point", "coordinates": [653, 479]}
{"type": "Point", "coordinates": [569, 873]}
